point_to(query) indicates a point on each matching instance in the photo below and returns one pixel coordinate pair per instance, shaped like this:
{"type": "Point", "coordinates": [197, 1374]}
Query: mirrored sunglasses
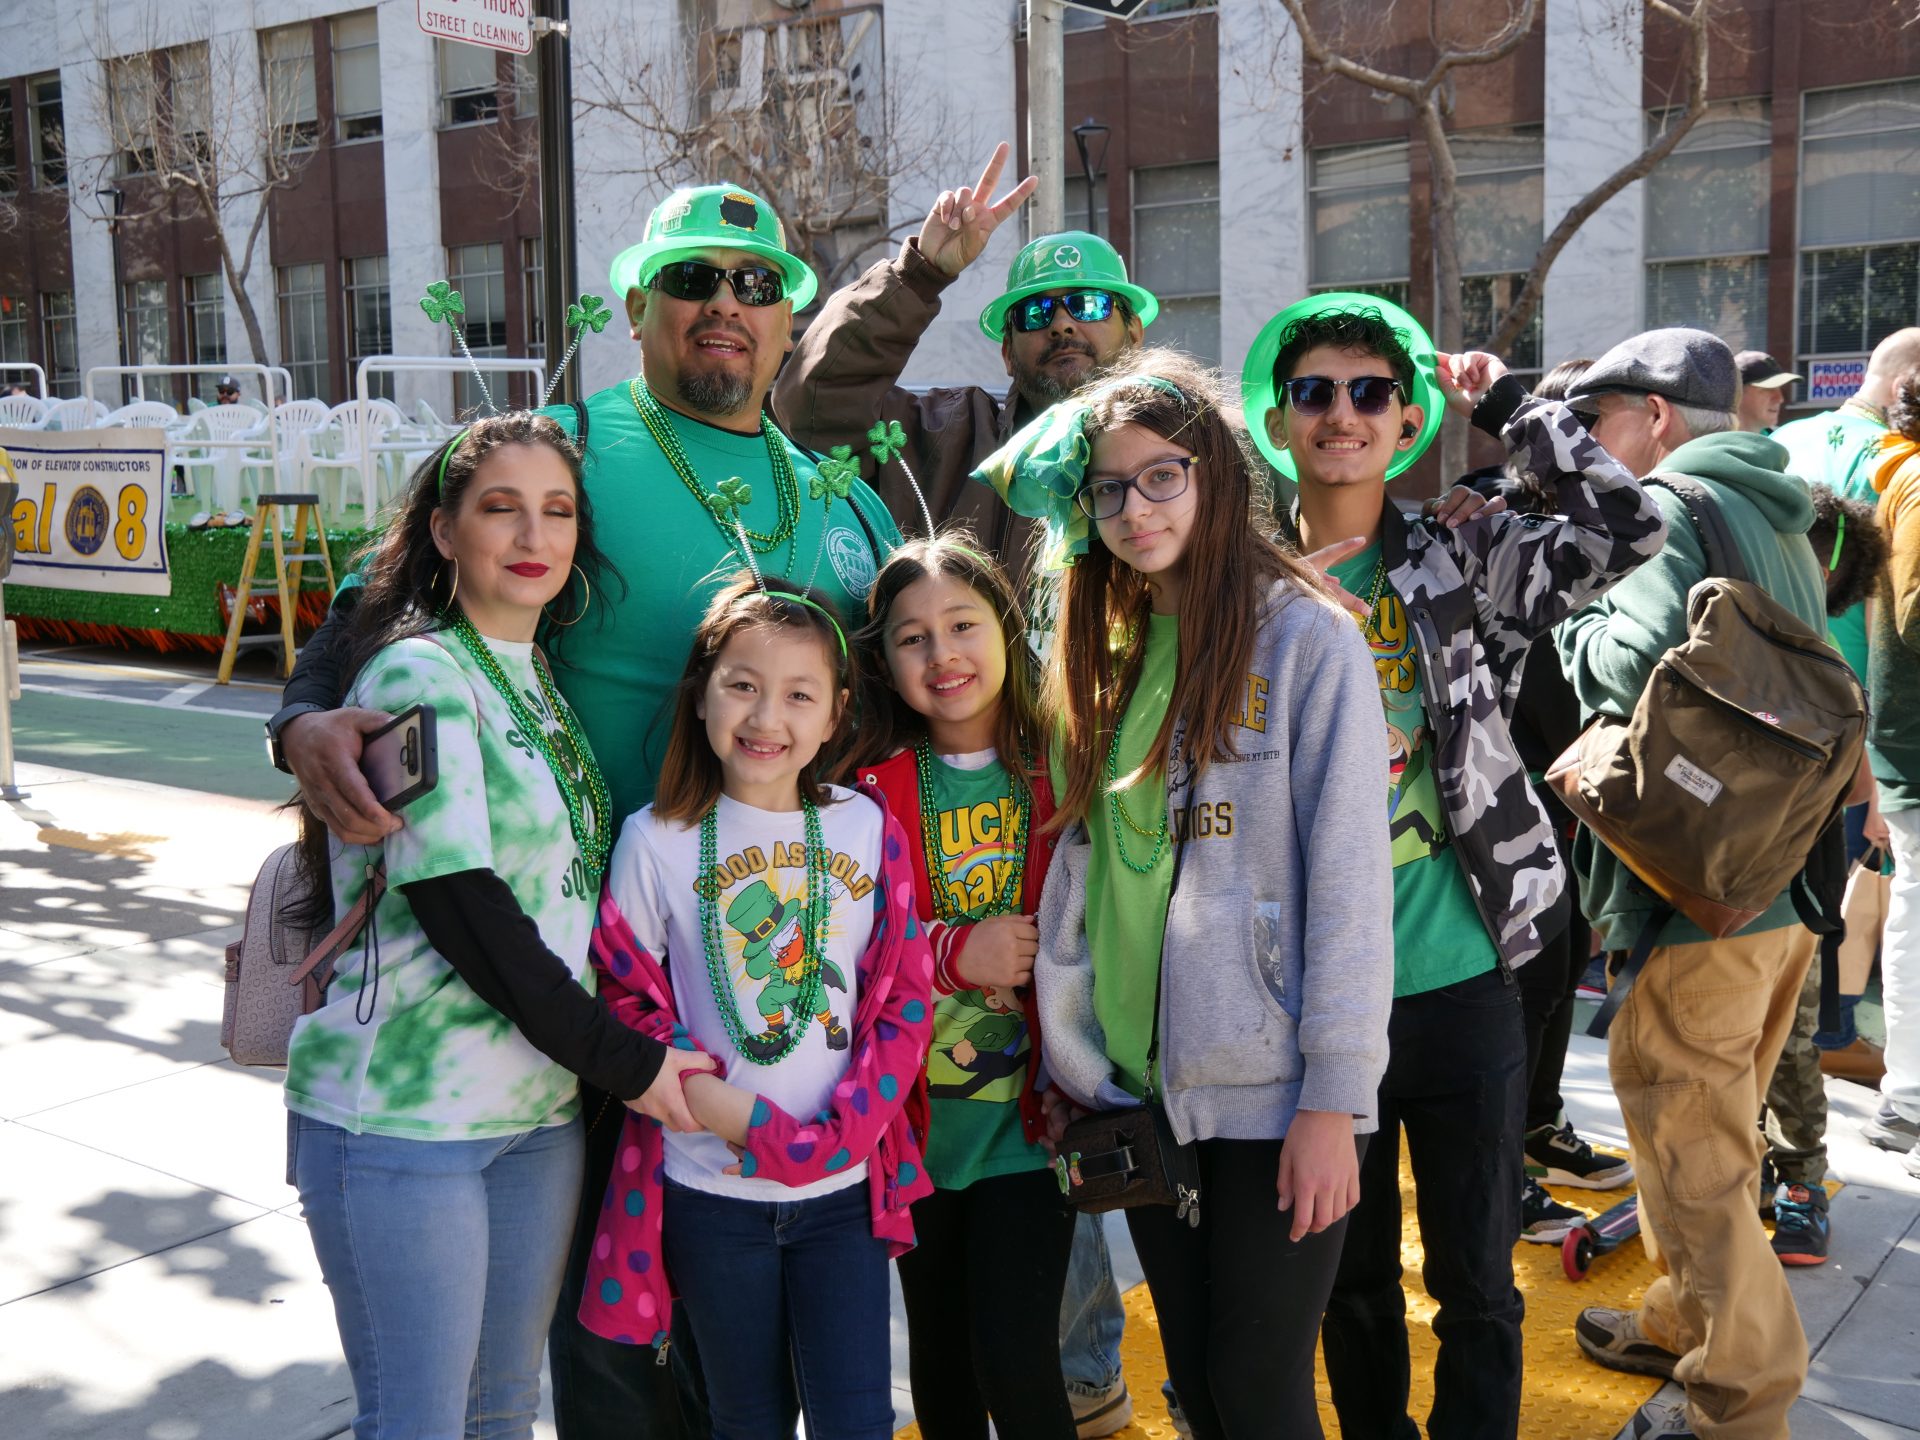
{"type": "Point", "coordinates": [697, 280]}
{"type": "Point", "coordinates": [1036, 311]}
{"type": "Point", "coordinates": [1313, 394]}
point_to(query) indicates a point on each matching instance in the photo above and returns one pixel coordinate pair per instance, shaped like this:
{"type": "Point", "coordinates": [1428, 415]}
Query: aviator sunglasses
{"type": "Point", "coordinates": [697, 280]}
{"type": "Point", "coordinates": [1313, 394]}
{"type": "Point", "coordinates": [1036, 311]}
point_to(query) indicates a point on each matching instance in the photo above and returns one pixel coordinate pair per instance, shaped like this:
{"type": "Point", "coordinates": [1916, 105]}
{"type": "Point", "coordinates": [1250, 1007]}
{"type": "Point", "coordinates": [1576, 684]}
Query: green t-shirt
{"type": "Point", "coordinates": [621, 663]}
{"type": "Point", "coordinates": [1127, 910]}
{"type": "Point", "coordinates": [1438, 935]}
{"type": "Point", "coordinates": [1836, 450]}
{"type": "Point", "coordinates": [977, 1064]}
{"type": "Point", "coordinates": [434, 1061]}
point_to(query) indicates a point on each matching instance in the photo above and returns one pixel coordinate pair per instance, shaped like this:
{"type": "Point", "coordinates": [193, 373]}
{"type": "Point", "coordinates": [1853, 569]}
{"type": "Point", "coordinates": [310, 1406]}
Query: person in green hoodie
{"type": "Point", "coordinates": [1693, 1046]}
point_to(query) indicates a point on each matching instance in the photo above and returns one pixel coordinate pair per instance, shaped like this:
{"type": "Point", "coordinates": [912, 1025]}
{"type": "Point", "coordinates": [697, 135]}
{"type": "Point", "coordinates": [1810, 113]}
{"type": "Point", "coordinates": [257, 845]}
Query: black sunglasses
{"type": "Point", "coordinates": [1036, 311]}
{"type": "Point", "coordinates": [697, 280]}
{"type": "Point", "coordinates": [1313, 394]}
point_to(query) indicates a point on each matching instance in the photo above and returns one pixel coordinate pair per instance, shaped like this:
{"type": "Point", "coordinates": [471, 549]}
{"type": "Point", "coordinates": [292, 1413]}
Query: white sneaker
{"type": "Point", "coordinates": [1098, 1415]}
{"type": "Point", "coordinates": [1661, 1420]}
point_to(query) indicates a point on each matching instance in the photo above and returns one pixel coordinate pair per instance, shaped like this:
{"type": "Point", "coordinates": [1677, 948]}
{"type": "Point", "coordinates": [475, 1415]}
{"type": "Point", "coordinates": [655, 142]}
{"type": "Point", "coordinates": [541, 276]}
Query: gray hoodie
{"type": "Point", "coordinates": [1276, 972]}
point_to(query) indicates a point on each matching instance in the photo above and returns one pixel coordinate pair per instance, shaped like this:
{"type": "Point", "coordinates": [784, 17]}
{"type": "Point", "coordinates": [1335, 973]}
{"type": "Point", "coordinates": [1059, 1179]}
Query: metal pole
{"type": "Point", "coordinates": [9, 790]}
{"type": "Point", "coordinates": [1046, 112]}
{"type": "Point", "coordinates": [556, 188]}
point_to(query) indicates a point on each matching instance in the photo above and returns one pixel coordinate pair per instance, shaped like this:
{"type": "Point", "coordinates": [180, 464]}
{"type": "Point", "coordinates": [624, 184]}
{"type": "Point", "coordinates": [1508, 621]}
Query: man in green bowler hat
{"type": "Point", "coordinates": [672, 457]}
{"type": "Point", "coordinates": [776, 952]}
{"type": "Point", "coordinates": [1068, 312]}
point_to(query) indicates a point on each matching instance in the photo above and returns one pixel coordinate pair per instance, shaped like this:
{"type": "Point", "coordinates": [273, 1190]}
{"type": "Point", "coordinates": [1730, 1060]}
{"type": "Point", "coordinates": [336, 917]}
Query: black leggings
{"type": "Point", "coordinates": [1239, 1302]}
{"type": "Point", "coordinates": [1547, 986]}
{"type": "Point", "coordinates": [982, 1290]}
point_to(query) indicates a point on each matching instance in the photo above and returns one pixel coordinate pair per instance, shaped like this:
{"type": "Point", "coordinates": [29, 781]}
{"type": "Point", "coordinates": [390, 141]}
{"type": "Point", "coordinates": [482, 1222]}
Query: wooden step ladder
{"type": "Point", "coordinates": [286, 572]}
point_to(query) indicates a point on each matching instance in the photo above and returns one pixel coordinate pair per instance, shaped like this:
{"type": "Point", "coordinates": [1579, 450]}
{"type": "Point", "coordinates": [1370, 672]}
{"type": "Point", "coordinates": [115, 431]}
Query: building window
{"type": "Point", "coordinates": [1498, 203]}
{"type": "Point", "coordinates": [206, 330]}
{"type": "Point", "coordinates": [1706, 234]}
{"type": "Point", "coordinates": [533, 287]}
{"type": "Point", "coordinates": [9, 165]}
{"type": "Point", "coordinates": [293, 109]}
{"type": "Point", "coordinates": [303, 329]}
{"type": "Point", "coordinates": [356, 75]}
{"type": "Point", "coordinates": [47, 130]}
{"type": "Point", "coordinates": [369, 310]}
{"type": "Point", "coordinates": [1358, 196]}
{"type": "Point", "coordinates": [1859, 217]}
{"type": "Point", "coordinates": [1075, 209]}
{"type": "Point", "coordinates": [14, 346]}
{"type": "Point", "coordinates": [478, 272]}
{"type": "Point", "coordinates": [1176, 253]}
{"type": "Point", "coordinates": [469, 83]}
{"type": "Point", "coordinates": [147, 338]}
{"type": "Point", "coordinates": [61, 342]}
{"type": "Point", "coordinates": [131, 107]}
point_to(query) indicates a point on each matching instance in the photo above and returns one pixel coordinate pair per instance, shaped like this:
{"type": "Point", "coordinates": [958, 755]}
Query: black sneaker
{"type": "Point", "coordinates": [1613, 1338]}
{"type": "Point", "coordinates": [1560, 1157]}
{"type": "Point", "coordinates": [1543, 1219]}
{"type": "Point", "coordinates": [1661, 1420]}
{"type": "Point", "coordinates": [1891, 1130]}
{"type": "Point", "coordinates": [1769, 1185]}
{"type": "Point", "coordinates": [1800, 1224]}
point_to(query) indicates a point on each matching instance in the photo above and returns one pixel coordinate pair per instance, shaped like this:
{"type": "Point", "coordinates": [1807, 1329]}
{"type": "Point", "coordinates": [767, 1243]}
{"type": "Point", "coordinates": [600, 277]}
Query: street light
{"type": "Point", "coordinates": [1085, 134]}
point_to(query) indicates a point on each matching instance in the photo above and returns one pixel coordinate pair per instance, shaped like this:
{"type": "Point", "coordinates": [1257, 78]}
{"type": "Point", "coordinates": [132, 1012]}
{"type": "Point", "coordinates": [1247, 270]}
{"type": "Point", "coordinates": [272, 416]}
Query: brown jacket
{"type": "Point", "coordinates": [844, 375]}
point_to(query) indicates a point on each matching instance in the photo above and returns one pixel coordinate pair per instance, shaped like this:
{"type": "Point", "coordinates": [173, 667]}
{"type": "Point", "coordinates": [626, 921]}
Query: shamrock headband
{"type": "Point", "coordinates": [1041, 468]}
{"type": "Point", "coordinates": [793, 597]}
{"type": "Point", "coordinates": [444, 303]}
{"type": "Point", "coordinates": [440, 484]}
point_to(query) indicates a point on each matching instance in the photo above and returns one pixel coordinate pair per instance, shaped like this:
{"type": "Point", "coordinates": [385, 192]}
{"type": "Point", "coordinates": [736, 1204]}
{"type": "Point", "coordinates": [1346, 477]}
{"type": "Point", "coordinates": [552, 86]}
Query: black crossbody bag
{"type": "Point", "coordinates": [1118, 1159]}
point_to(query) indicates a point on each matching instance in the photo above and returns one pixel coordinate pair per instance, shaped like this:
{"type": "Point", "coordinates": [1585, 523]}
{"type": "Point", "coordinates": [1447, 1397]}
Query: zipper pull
{"type": "Point", "coordinates": [660, 1352]}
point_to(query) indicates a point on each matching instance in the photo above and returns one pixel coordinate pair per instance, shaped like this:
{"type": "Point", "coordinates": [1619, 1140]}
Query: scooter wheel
{"type": "Point", "coordinates": [1576, 1254]}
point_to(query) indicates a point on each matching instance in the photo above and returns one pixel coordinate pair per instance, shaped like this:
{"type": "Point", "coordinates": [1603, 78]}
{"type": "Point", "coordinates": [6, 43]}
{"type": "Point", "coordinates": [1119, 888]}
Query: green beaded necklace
{"type": "Point", "coordinates": [1009, 897]}
{"type": "Point", "coordinates": [1117, 811]}
{"type": "Point", "coordinates": [588, 813]}
{"type": "Point", "coordinates": [763, 1050]}
{"type": "Point", "coordinates": [1377, 588]}
{"type": "Point", "coordinates": [723, 503]}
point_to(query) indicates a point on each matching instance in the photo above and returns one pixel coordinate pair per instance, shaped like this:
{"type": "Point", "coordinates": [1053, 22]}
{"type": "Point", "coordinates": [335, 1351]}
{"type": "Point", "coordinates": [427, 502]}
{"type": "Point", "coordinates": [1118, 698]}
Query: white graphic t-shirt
{"type": "Point", "coordinates": [759, 887]}
{"type": "Point", "coordinates": [434, 1061]}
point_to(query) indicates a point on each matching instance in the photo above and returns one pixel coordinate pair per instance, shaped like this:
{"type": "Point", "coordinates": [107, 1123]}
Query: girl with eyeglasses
{"type": "Point", "coordinates": [1210, 936]}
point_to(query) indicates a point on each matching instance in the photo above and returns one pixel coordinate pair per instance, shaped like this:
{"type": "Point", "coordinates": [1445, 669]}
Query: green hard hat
{"type": "Point", "coordinates": [1256, 380]}
{"type": "Point", "coordinates": [712, 217]}
{"type": "Point", "coordinates": [757, 914]}
{"type": "Point", "coordinates": [1070, 260]}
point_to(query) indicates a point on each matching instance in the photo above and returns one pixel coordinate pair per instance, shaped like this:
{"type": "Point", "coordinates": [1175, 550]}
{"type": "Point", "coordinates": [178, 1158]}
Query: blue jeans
{"type": "Point", "coordinates": [443, 1258]}
{"type": "Point", "coordinates": [1091, 1319]}
{"type": "Point", "coordinates": [788, 1301]}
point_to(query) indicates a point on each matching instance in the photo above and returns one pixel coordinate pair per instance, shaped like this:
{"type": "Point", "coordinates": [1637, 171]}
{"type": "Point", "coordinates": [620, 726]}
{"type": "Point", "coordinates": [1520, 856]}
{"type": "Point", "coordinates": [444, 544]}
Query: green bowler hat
{"type": "Point", "coordinates": [1256, 380]}
{"type": "Point", "coordinates": [712, 217]}
{"type": "Point", "coordinates": [1071, 260]}
{"type": "Point", "coordinates": [757, 915]}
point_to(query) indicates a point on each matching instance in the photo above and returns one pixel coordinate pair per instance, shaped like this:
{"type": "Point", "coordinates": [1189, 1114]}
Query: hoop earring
{"type": "Point", "coordinates": [588, 584]}
{"type": "Point", "coordinates": [440, 570]}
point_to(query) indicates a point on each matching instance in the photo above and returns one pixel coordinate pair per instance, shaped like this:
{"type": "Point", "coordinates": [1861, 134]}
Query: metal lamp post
{"type": "Point", "coordinates": [1085, 135]}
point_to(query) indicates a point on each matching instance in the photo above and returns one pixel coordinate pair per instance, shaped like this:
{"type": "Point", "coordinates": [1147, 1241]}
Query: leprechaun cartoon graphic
{"type": "Point", "coordinates": [776, 952]}
{"type": "Point", "coordinates": [979, 1046]}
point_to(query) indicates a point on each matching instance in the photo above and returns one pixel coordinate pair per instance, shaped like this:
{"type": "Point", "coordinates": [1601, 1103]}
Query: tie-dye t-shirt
{"type": "Point", "coordinates": [433, 1061]}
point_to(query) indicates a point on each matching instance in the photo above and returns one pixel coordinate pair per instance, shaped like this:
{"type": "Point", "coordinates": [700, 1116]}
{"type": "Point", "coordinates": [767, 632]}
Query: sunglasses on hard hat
{"type": "Point", "coordinates": [1036, 311]}
{"type": "Point", "coordinates": [697, 280]}
{"type": "Point", "coordinates": [1313, 394]}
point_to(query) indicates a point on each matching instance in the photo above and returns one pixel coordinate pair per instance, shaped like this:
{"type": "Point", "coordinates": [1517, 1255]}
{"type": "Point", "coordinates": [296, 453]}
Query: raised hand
{"type": "Point", "coordinates": [1465, 379]}
{"type": "Point", "coordinates": [961, 221]}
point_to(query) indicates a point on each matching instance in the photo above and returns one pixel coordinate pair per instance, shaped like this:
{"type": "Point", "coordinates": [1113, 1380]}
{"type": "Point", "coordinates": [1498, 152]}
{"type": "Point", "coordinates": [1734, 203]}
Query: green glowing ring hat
{"type": "Point", "coordinates": [712, 217]}
{"type": "Point", "coordinates": [1070, 260]}
{"type": "Point", "coordinates": [1256, 380]}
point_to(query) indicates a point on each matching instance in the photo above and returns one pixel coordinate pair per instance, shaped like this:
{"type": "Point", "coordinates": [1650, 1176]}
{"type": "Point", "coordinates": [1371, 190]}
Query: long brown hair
{"type": "Point", "coordinates": [690, 777]}
{"type": "Point", "coordinates": [887, 722]}
{"type": "Point", "coordinates": [1229, 561]}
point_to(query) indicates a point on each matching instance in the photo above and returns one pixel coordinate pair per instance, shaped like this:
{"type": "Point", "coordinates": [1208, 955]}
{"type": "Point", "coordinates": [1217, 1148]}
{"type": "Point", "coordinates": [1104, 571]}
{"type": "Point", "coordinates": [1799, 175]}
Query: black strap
{"type": "Point", "coordinates": [1819, 896]}
{"type": "Point", "coordinates": [1703, 508]}
{"type": "Point", "coordinates": [1173, 888]}
{"type": "Point", "coordinates": [1628, 971]}
{"type": "Point", "coordinates": [579, 425]}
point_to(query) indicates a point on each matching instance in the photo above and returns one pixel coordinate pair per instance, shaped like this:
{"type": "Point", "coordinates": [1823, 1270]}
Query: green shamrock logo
{"type": "Point", "coordinates": [837, 474]}
{"type": "Point", "coordinates": [728, 496]}
{"type": "Point", "coordinates": [887, 440]}
{"type": "Point", "coordinates": [442, 302]}
{"type": "Point", "coordinates": [590, 311]}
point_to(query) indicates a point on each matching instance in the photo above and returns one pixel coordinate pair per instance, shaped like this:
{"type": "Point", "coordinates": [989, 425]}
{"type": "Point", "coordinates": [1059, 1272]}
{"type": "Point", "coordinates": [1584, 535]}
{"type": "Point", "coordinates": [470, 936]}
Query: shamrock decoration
{"type": "Point", "coordinates": [442, 302]}
{"type": "Point", "coordinates": [590, 311]}
{"type": "Point", "coordinates": [728, 496]}
{"type": "Point", "coordinates": [886, 440]}
{"type": "Point", "coordinates": [837, 474]}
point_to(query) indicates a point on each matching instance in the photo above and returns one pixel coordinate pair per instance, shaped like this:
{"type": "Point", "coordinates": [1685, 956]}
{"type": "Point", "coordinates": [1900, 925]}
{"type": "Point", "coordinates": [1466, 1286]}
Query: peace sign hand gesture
{"type": "Point", "coordinates": [961, 221]}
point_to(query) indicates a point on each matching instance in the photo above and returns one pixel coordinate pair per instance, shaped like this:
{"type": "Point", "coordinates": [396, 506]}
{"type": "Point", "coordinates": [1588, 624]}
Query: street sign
{"type": "Point", "coordinates": [496, 24]}
{"type": "Point", "coordinates": [1112, 9]}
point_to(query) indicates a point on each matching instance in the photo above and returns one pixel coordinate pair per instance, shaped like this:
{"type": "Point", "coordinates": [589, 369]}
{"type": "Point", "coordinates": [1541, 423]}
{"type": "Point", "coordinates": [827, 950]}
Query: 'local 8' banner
{"type": "Point", "coordinates": [91, 510]}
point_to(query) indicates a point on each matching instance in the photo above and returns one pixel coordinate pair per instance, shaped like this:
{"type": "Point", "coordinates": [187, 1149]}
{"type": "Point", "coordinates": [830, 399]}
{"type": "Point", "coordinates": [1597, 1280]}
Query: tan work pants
{"type": "Point", "coordinates": [1691, 1052]}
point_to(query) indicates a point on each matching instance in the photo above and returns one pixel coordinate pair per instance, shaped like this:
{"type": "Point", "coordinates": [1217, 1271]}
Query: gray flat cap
{"type": "Point", "coordinates": [1688, 367]}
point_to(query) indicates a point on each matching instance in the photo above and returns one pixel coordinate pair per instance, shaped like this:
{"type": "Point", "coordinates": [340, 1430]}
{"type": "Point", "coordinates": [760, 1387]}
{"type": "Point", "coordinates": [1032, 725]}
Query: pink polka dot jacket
{"type": "Point", "coordinates": [629, 1295]}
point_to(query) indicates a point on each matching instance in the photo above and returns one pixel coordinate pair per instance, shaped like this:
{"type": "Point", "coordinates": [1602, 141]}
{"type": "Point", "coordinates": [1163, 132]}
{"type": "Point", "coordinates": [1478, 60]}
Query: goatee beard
{"type": "Point", "coordinates": [719, 393]}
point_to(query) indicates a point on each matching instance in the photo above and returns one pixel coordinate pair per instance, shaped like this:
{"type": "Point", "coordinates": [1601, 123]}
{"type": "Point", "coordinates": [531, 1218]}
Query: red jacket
{"type": "Point", "coordinates": [898, 778]}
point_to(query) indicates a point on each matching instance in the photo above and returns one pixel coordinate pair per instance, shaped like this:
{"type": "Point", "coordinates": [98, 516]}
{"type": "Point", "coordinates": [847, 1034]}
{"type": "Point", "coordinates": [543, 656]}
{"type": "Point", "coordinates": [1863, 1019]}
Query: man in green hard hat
{"type": "Point", "coordinates": [1069, 311]}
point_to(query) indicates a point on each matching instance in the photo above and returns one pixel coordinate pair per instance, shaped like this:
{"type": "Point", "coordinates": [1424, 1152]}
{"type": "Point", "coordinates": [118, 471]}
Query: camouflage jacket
{"type": "Point", "coordinates": [1476, 598]}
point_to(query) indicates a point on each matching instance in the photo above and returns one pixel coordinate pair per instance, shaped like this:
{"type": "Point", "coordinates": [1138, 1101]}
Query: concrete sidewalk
{"type": "Point", "coordinates": [156, 1282]}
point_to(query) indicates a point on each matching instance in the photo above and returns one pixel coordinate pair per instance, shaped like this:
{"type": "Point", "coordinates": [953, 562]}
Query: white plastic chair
{"type": "Point", "coordinates": [345, 422]}
{"type": "Point", "coordinates": [23, 412]}
{"type": "Point", "coordinates": [77, 414]}
{"type": "Point", "coordinates": [227, 426]}
{"type": "Point", "coordinates": [295, 421]}
{"type": "Point", "coordinates": [145, 412]}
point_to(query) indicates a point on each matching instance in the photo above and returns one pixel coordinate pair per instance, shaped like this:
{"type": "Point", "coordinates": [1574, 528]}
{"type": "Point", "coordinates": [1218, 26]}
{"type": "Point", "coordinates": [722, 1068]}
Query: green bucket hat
{"type": "Point", "coordinates": [712, 217]}
{"type": "Point", "coordinates": [1071, 260]}
{"type": "Point", "coordinates": [756, 915]}
{"type": "Point", "coordinates": [1256, 380]}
